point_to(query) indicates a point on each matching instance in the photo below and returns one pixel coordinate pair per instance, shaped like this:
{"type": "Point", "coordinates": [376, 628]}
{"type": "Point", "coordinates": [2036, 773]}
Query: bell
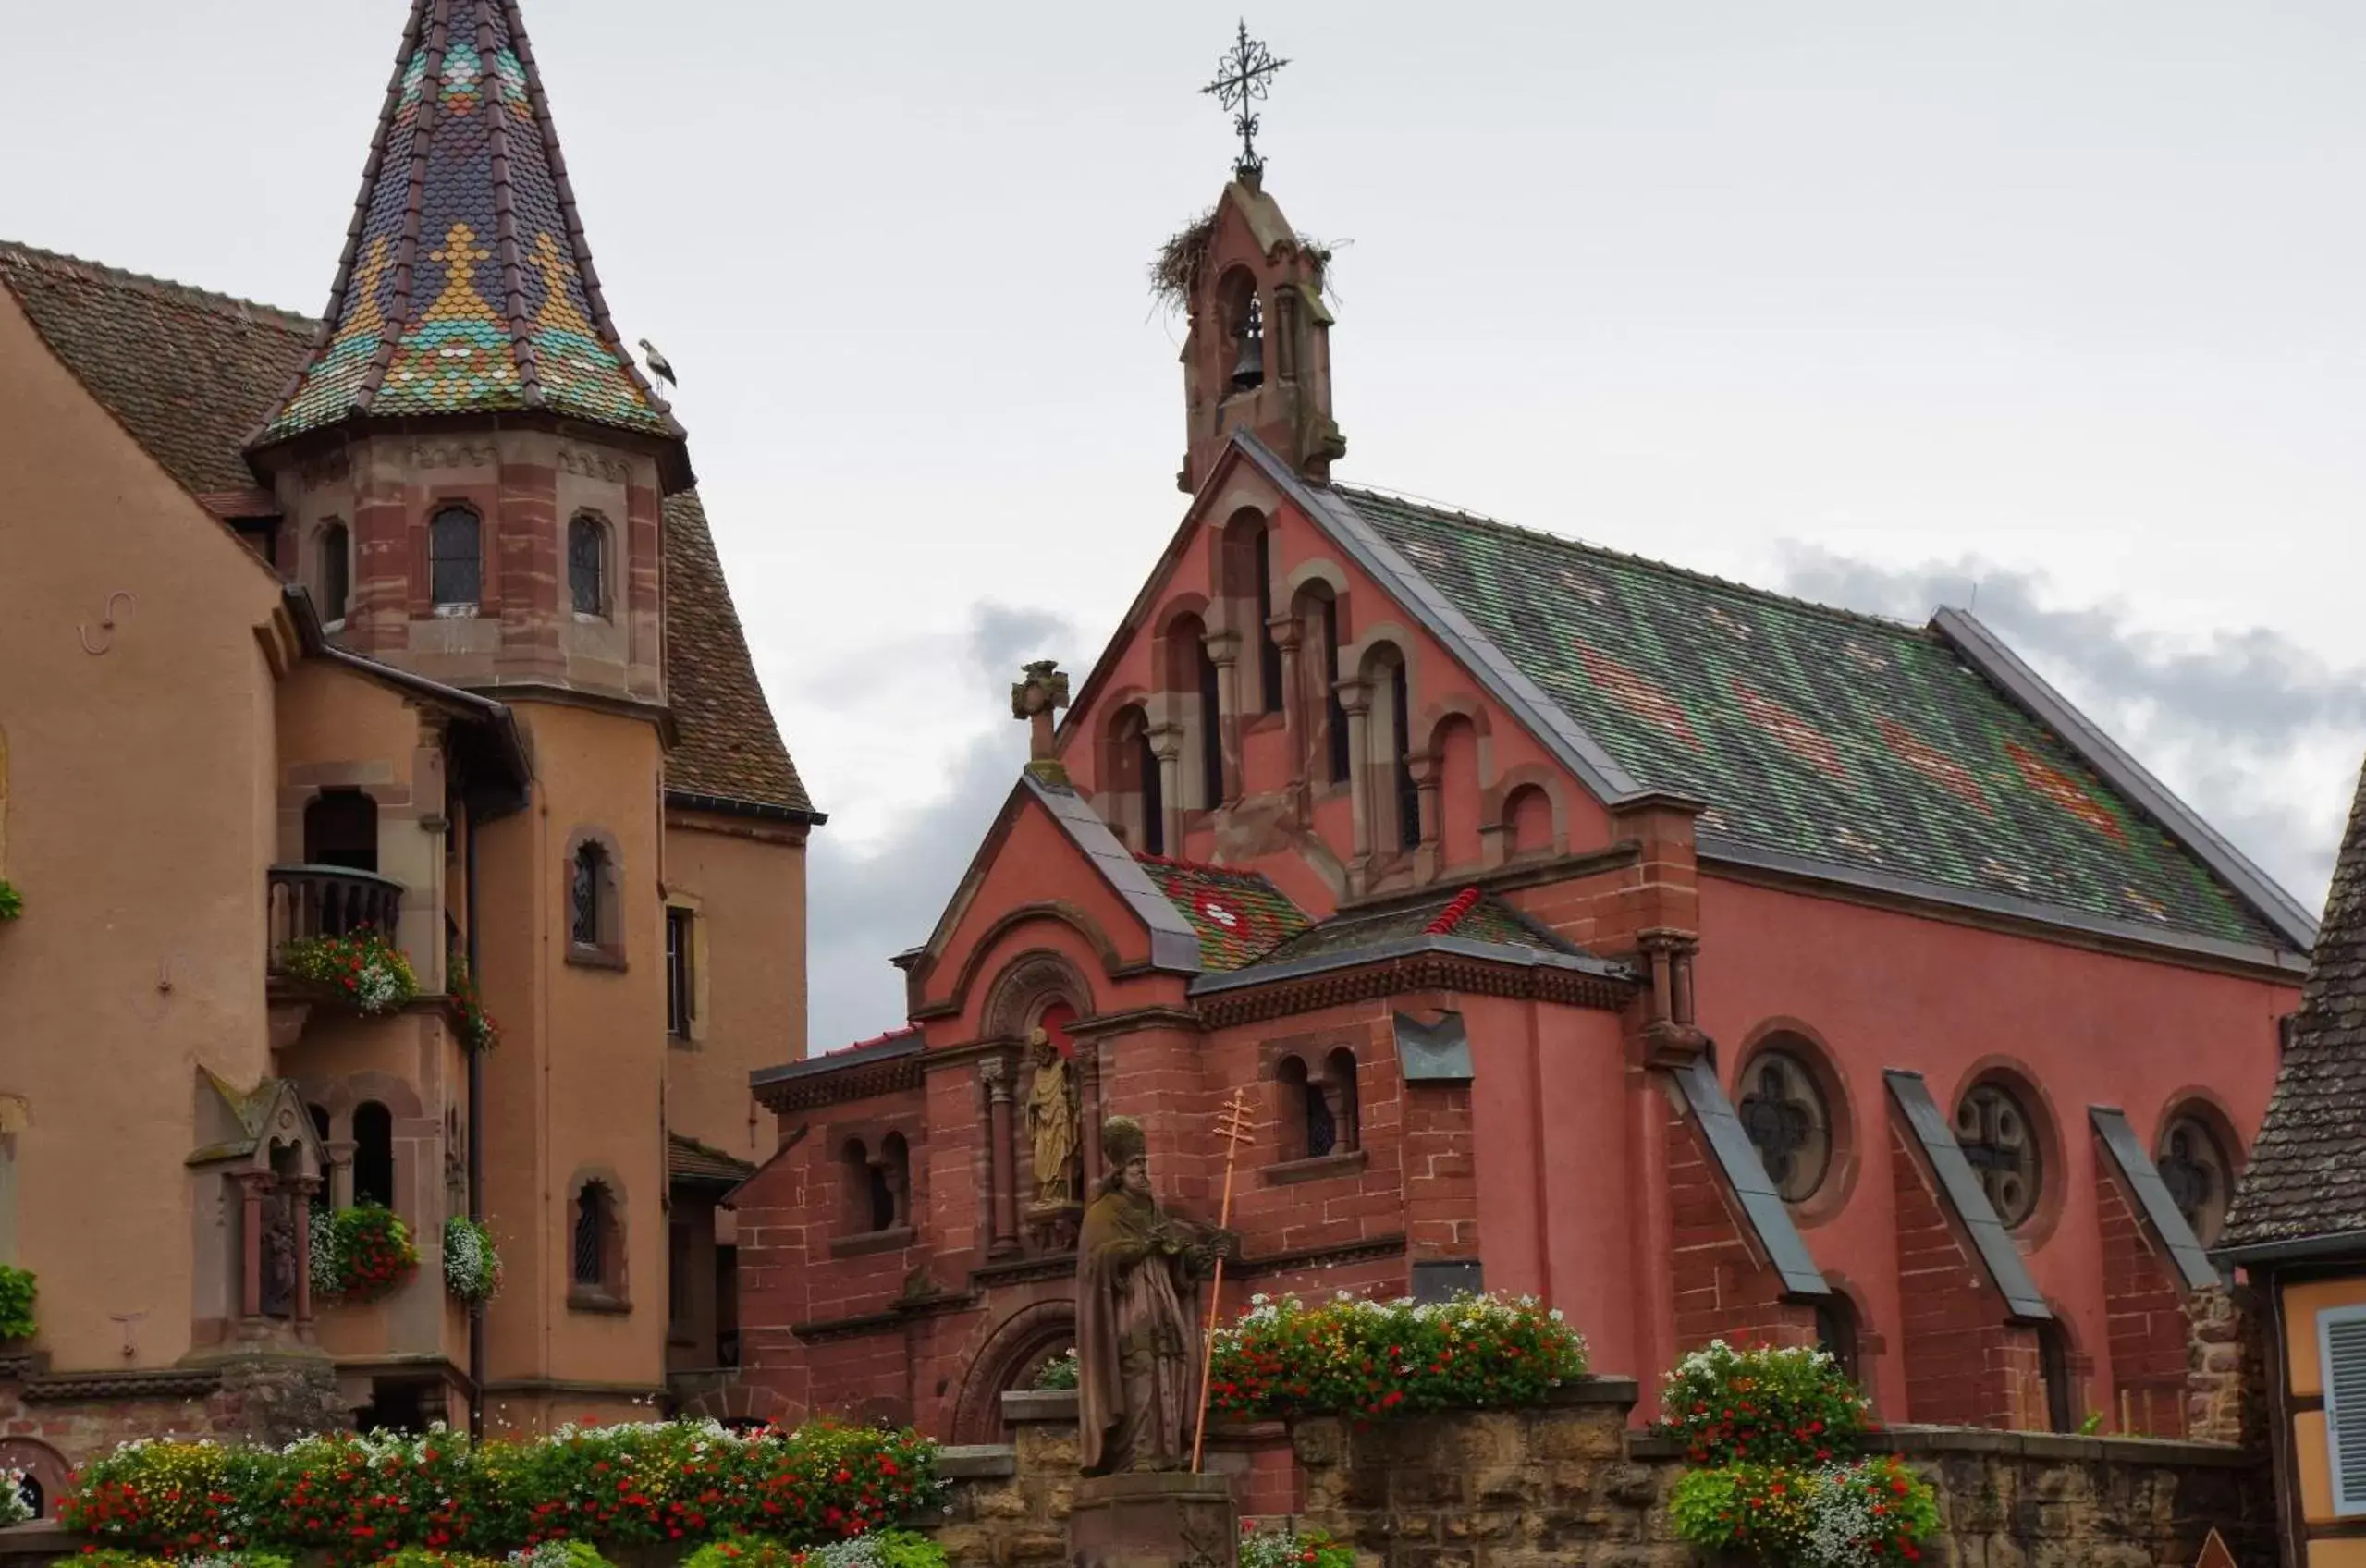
{"type": "Point", "coordinates": [1248, 365]}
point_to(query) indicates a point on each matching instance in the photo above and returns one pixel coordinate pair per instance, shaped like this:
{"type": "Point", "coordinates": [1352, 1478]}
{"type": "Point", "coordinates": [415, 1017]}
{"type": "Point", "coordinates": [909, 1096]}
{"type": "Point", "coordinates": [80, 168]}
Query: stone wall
{"type": "Point", "coordinates": [1569, 1484]}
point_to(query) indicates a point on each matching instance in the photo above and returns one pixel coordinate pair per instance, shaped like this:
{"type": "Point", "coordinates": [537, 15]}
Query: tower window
{"type": "Point", "coordinates": [587, 566]}
{"type": "Point", "coordinates": [592, 1219]}
{"type": "Point", "coordinates": [681, 931]}
{"type": "Point", "coordinates": [454, 559]}
{"type": "Point", "coordinates": [337, 572]}
{"type": "Point", "coordinates": [588, 894]}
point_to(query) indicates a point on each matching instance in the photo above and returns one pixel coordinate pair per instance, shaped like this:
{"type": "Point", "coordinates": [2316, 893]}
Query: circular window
{"type": "Point", "coordinates": [2199, 1177]}
{"type": "Point", "coordinates": [1783, 1112]}
{"type": "Point", "coordinates": [2001, 1144]}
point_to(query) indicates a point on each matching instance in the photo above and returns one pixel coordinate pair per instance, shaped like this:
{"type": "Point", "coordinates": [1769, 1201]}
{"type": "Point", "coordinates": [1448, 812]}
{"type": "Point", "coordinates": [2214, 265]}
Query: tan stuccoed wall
{"type": "Point", "coordinates": [140, 804]}
{"type": "Point", "coordinates": [576, 1083]}
{"type": "Point", "coordinates": [747, 881]}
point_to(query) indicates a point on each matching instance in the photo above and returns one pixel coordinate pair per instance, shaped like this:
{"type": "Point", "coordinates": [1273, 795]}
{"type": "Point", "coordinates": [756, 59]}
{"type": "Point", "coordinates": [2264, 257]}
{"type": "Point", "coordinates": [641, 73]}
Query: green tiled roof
{"type": "Point", "coordinates": [1811, 731]}
{"type": "Point", "coordinates": [1239, 916]}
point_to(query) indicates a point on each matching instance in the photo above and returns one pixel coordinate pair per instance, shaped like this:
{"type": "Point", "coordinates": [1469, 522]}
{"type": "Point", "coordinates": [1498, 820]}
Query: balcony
{"type": "Point", "coordinates": [329, 901]}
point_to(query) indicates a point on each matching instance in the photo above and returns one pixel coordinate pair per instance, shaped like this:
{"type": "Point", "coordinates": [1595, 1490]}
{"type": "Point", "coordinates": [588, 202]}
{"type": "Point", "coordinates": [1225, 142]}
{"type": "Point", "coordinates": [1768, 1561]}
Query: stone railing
{"type": "Point", "coordinates": [329, 901]}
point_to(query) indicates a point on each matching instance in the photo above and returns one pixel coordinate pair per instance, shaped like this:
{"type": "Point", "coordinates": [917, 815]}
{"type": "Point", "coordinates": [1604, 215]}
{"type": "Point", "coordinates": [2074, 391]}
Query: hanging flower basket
{"type": "Point", "coordinates": [472, 1266]}
{"type": "Point", "coordinates": [12, 903]}
{"type": "Point", "coordinates": [479, 1032]}
{"type": "Point", "coordinates": [361, 1253]}
{"type": "Point", "coordinates": [365, 971]}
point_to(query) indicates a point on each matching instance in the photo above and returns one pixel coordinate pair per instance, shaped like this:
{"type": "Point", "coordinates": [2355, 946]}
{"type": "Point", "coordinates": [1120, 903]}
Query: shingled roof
{"type": "Point", "coordinates": [467, 285]}
{"type": "Point", "coordinates": [189, 374]}
{"type": "Point", "coordinates": [1810, 732]}
{"type": "Point", "coordinates": [2307, 1176]}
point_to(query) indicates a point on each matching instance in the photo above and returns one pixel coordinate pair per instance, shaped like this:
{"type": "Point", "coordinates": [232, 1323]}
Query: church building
{"type": "Point", "coordinates": [402, 627]}
{"type": "Point", "coordinates": [1705, 962]}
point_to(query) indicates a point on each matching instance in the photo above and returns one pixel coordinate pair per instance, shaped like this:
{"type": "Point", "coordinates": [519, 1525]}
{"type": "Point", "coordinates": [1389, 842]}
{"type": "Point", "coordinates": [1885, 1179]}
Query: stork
{"type": "Point", "coordinates": [659, 366]}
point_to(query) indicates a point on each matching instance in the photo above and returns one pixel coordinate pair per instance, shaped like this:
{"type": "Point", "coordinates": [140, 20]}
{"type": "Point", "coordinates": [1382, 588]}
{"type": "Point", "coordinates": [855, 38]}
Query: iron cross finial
{"type": "Point", "coordinates": [1243, 77]}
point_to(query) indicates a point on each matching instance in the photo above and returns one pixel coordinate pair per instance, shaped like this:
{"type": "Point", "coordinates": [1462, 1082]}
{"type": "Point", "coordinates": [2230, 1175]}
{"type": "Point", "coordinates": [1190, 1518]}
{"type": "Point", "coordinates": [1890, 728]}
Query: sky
{"type": "Point", "coordinates": [2053, 310]}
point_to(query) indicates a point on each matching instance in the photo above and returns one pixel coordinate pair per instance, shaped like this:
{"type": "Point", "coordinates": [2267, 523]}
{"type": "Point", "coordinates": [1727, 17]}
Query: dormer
{"type": "Point", "coordinates": [1257, 355]}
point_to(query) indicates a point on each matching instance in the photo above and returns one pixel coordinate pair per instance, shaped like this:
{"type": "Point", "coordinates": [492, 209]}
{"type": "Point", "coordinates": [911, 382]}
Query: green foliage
{"type": "Point", "coordinates": [472, 1263]}
{"type": "Point", "coordinates": [181, 1499]}
{"type": "Point", "coordinates": [1061, 1372]}
{"type": "Point", "coordinates": [1374, 1359]}
{"type": "Point", "coordinates": [113, 1558]}
{"type": "Point", "coordinates": [879, 1549]}
{"type": "Point", "coordinates": [479, 1031]}
{"type": "Point", "coordinates": [361, 1253]}
{"type": "Point", "coordinates": [745, 1551]}
{"type": "Point", "coordinates": [1291, 1549]}
{"type": "Point", "coordinates": [12, 903]}
{"type": "Point", "coordinates": [17, 1292]}
{"type": "Point", "coordinates": [2091, 1425]}
{"type": "Point", "coordinates": [364, 971]}
{"type": "Point", "coordinates": [1757, 1508]}
{"type": "Point", "coordinates": [1762, 1405]}
{"type": "Point", "coordinates": [359, 1499]}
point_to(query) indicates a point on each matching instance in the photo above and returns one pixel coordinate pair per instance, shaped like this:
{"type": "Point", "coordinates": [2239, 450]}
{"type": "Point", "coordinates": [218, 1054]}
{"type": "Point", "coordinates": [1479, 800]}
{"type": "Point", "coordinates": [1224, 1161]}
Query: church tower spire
{"type": "Point", "coordinates": [474, 466]}
{"type": "Point", "coordinates": [467, 286]}
{"type": "Point", "coordinates": [1258, 354]}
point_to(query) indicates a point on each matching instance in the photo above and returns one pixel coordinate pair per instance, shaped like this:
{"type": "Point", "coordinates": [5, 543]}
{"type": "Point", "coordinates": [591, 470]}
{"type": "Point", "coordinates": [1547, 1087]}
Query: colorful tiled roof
{"type": "Point", "coordinates": [1812, 732]}
{"type": "Point", "coordinates": [189, 374]}
{"type": "Point", "coordinates": [2307, 1176]}
{"type": "Point", "coordinates": [467, 285]}
{"type": "Point", "coordinates": [1239, 916]}
{"type": "Point", "coordinates": [1469, 916]}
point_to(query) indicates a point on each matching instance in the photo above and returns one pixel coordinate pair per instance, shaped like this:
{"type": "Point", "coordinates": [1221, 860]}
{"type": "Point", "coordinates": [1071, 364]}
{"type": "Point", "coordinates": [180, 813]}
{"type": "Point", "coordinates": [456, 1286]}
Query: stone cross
{"type": "Point", "coordinates": [1035, 699]}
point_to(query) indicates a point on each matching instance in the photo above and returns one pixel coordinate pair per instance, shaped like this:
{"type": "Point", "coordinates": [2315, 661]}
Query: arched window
{"type": "Point", "coordinates": [587, 892]}
{"type": "Point", "coordinates": [594, 1231]}
{"type": "Point", "coordinates": [29, 1491]}
{"type": "Point", "coordinates": [890, 1178]}
{"type": "Point", "coordinates": [341, 828]}
{"type": "Point", "coordinates": [2000, 1140]}
{"type": "Point", "coordinates": [374, 1164]}
{"type": "Point", "coordinates": [1408, 798]}
{"type": "Point", "coordinates": [2199, 1172]}
{"type": "Point", "coordinates": [1334, 714]}
{"type": "Point", "coordinates": [336, 571]}
{"type": "Point", "coordinates": [1339, 1084]}
{"type": "Point", "coordinates": [1782, 1110]}
{"type": "Point", "coordinates": [1268, 652]}
{"type": "Point", "coordinates": [587, 565]}
{"type": "Point", "coordinates": [1308, 1131]}
{"type": "Point", "coordinates": [1211, 739]}
{"type": "Point", "coordinates": [1244, 322]}
{"type": "Point", "coordinates": [1527, 820]}
{"type": "Point", "coordinates": [1153, 794]}
{"type": "Point", "coordinates": [1836, 1334]}
{"type": "Point", "coordinates": [454, 559]}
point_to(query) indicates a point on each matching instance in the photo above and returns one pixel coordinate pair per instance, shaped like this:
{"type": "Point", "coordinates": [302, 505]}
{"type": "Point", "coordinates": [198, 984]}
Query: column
{"type": "Point", "coordinates": [252, 1184]}
{"type": "Point", "coordinates": [1429, 859]}
{"type": "Point", "coordinates": [1355, 698]}
{"type": "Point", "coordinates": [1224, 652]}
{"type": "Point", "coordinates": [301, 1208]}
{"type": "Point", "coordinates": [1286, 634]}
{"type": "Point", "coordinates": [1088, 1103]}
{"type": "Point", "coordinates": [994, 1071]}
{"type": "Point", "coordinates": [1166, 744]}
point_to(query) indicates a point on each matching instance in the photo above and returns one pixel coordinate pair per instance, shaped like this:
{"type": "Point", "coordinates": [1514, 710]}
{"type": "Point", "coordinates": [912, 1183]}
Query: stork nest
{"type": "Point", "coordinates": [1175, 270]}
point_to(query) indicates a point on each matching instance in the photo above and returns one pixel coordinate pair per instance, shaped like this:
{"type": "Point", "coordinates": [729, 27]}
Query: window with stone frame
{"type": "Point", "coordinates": [1837, 1335]}
{"type": "Point", "coordinates": [1319, 1105]}
{"type": "Point", "coordinates": [587, 549]}
{"type": "Point", "coordinates": [374, 1154]}
{"type": "Point", "coordinates": [1335, 737]}
{"type": "Point", "coordinates": [593, 900]}
{"type": "Point", "coordinates": [1783, 1111]}
{"type": "Point", "coordinates": [2000, 1141]}
{"type": "Point", "coordinates": [2199, 1172]}
{"type": "Point", "coordinates": [877, 1177]}
{"type": "Point", "coordinates": [595, 1245]}
{"type": "Point", "coordinates": [682, 979]}
{"type": "Point", "coordinates": [454, 559]}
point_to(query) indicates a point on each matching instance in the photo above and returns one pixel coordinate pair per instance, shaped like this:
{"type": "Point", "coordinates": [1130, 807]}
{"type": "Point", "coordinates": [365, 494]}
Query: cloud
{"type": "Point", "coordinates": [870, 904]}
{"type": "Point", "coordinates": [2257, 733]}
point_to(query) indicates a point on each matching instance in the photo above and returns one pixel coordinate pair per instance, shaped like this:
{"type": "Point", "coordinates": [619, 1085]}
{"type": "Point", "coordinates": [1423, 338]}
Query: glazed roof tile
{"type": "Point", "coordinates": [467, 286]}
{"type": "Point", "coordinates": [1239, 916]}
{"type": "Point", "coordinates": [1470, 915]}
{"type": "Point", "coordinates": [187, 374]}
{"type": "Point", "coordinates": [1809, 731]}
{"type": "Point", "coordinates": [2307, 1176]}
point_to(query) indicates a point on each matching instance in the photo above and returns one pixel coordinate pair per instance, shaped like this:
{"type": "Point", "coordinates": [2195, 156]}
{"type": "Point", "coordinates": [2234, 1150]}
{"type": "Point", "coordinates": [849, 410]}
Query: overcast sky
{"type": "Point", "coordinates": [1874, 301]}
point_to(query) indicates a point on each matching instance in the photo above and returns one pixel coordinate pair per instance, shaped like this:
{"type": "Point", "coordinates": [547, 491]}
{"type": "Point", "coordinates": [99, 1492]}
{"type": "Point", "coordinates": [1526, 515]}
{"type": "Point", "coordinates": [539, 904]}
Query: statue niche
{"type": "Point", "coordinates": [1054, 1137]}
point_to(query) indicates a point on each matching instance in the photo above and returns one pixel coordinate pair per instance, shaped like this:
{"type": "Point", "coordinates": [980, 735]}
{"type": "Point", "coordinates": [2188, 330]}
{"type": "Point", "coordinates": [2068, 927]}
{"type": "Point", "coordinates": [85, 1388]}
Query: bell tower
{"type": "Point", "coordinates": [1258, 354]}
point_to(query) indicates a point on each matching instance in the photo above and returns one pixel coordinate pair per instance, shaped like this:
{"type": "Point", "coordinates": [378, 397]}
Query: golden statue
{"type": "Point", "coordinates": [1052, 1121]}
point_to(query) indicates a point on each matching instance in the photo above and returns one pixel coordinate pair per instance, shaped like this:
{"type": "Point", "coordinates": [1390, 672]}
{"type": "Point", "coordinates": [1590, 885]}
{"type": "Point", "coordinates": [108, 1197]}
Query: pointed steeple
{"type": "Point", "coordinates": [467, 286]}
